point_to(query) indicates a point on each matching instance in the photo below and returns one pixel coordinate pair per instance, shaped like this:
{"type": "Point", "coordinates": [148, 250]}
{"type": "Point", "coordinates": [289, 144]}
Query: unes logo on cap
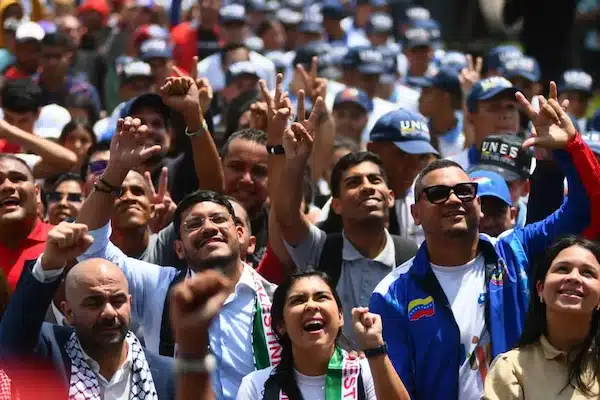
{"type": "Point", "coordinates": [578, 78]}
{"type": "Point", "coordinates": [412, 126]}
{"type": "Point", "coordinates": [482, 180]}
{"type": "Point", "coordinates": [494, 82]}
{"type": "Point", "coordinates": [502, 149]}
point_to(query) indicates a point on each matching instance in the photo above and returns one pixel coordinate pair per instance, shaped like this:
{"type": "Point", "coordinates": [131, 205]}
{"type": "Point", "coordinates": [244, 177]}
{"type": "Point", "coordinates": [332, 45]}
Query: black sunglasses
{"type": "Point", "coordinates": [55, 197]}
{"type": "Point", "coordinates": [97, 167]}
{"type": "Point", "coordinates": [439, 194]}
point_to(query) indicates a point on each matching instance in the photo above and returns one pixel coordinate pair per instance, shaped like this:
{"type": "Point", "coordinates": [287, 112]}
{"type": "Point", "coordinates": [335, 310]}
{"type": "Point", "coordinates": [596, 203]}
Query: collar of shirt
{"type": "Point", "coordinates": [39, 233]}
{"type": "Point", "coordinates": [246, 281]}
{"type": "Point", "coordinates": [60, 318]}
{"type": "Point", "coordinates": [550, 352]}
{"type": "Point", "coordinates": [122, 374]}
{"type": "Point", "coordinates": [386, 257]}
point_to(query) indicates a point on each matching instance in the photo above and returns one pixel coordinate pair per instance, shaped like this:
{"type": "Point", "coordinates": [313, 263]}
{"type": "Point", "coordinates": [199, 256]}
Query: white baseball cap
{"type": "Point", "coordinates": [29, 31]}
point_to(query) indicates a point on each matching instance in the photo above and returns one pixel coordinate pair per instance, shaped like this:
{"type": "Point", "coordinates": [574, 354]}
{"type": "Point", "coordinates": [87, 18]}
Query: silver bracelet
{"type": "Point", "coordinates": [208, 365]}
{"type": "Point", "coordinates": [202, 129]}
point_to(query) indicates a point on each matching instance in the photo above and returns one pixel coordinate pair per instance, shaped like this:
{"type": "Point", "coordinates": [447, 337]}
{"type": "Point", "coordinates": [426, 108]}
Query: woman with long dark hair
{"type": "Point", "coordinates": [558, 355]}
{"type": "Point", "coordinates": [307, 317]}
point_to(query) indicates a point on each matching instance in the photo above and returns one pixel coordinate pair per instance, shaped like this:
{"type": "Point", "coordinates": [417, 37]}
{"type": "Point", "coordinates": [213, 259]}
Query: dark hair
{"type": "Point", "coordinates": [69, 176]}
{"type": "Point", "coordinates": [58, 39]}
{"type": "Point", "coordinates": [231, 47]}
{"type": "Point", "coordinates": [73, 125]}
{"type": "Point", "coordinates": [199, 196]}
{"type": "Point", "coordinates": [265, 26]}
{"type": "Point", "coordinates": [236, 109]}
{"type": "Point", "coordinates": [283, 376]}
{"type": "Point", "coordinates": [83, 100]}
{"type": "Point", "coordinates": [587, 358]}
{"type": "Point", "coordinates": [21, 95]}
{"type": "Point", "coordinates": [8, 156]}
{"type": "Point", "coordinates": [97, 147]}
{"type": "Point", "coordinates": [435, 165]}
{"type": "Point", "coordinates": [247, 219]}
{"type": "Point", "coordinates": [250, 134]}
{"type": "Point", "coordinates": [348, 161]}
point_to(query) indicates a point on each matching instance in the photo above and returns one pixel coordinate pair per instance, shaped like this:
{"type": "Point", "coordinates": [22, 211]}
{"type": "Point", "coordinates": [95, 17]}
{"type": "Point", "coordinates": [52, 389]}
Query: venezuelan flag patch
{"type": "Point", "coordinates": [420, 308]}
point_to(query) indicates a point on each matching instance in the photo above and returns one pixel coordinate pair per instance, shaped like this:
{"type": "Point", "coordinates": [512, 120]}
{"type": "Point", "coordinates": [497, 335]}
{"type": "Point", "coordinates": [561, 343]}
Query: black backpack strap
{"type": "Point", "coordinates": [166, 346]}
{"type": "Point", "coordinates": [404, 248]}
{"type": "Point", "coordinates": [331, 257]}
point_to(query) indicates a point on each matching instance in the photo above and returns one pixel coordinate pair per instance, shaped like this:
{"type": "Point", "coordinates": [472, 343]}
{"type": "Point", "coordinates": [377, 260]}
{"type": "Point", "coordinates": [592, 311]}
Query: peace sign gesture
{"type": "Point", "coordinates": [163, 206]}
{"type": "Point", "coordinates": [314, 85]}
{"type": "Point", "coordinates": [279, 106]}
{"type": "Point", "coordinates": [468, 76]}
{"type": "Point", "coordinates": [553, 127]}
{"type": "Point", "coordinates": [298, 138]}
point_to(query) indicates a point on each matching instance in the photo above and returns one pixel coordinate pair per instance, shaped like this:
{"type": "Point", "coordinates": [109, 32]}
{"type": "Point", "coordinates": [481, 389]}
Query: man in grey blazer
{"type": "Point", "coordinates": [98, 356]}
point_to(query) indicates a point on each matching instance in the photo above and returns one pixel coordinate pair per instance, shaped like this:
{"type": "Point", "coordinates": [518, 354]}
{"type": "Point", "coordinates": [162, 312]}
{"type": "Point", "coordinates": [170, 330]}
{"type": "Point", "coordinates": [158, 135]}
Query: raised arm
{"type": "Point", "coordinates": [555, 131]}
{"type": "Point", "coordinates": [369, 334]}
{"type": "Point", "coordinates": [55, 158]}
{"type": "Point", "coordinates": [192, 104]}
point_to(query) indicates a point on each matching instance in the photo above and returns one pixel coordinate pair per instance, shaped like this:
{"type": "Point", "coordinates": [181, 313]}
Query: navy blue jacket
{"type": "Point", "coordinates": [24, 334]}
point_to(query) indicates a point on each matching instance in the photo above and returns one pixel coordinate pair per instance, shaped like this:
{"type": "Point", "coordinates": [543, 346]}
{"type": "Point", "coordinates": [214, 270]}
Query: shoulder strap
{"type": "Point", "coordinates": [404, 249]}
{"type": "Point", "coordinates": [166, 346]}
{"type": "Point", "coordinates": [330, 261]}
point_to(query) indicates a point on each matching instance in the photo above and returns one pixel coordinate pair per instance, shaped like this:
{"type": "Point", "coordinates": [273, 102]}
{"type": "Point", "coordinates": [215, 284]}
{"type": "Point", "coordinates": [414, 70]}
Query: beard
{"type": "Point", "coordinates": [223, 262]}
{"type": "Point", "coordinates": [92, 338]}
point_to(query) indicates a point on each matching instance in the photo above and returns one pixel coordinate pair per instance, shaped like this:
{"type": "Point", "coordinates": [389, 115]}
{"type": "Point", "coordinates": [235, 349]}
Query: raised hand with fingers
{"type": "Point", "coordinates": [367, 328]}
{"type": "Point", "coordinates": [66, 241]}
{"type": "Point", "coordinates": [316, 115]}
{"type": "Point", "coordinates": [194, 304]}
{"type": "Point", "coordinates": [279, 106]}
{"type": "Point", "coordinates": [180, 93]}
{"type": "Point", "coordinates": [314, 85]}
{"type": "Point", "coordinates": [553, 127]}
{"type": "Point", "coordinates": [468, 76]}
{"type": "Point", "coordinates": [163, 206]}
{"type": "Point", "coordinates": [297, 143]}
{"type": "Point", "coordinates": [127, 147]}
{"type": "Point", "coordinates": [259, 116]}
{"type": "Point", "coordinates": [205, 90]}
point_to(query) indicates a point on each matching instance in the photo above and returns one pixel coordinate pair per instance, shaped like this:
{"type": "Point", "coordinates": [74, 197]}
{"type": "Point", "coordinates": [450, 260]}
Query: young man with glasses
{"type": "Point", "coordinates": [463, 298]}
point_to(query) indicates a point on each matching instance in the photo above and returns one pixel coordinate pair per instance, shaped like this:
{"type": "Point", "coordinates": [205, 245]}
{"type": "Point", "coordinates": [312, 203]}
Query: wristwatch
{"type": "Point", "coordinates": [277, 149]}
{"type": "Point", "coordinates": [203, 129]}
{"type": "Point", "coordinates": [377, 351]}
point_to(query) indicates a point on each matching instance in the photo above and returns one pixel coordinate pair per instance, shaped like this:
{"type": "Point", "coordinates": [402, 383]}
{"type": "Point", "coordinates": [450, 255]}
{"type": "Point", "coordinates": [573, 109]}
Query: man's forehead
{"type": "Point", "coordinates": [206, 208]}
{"type": "Point", "coordinates": [134, 178]}
{"type": "Point", "coordinates": [363, 168]}
{"type": "Point", "coordinates": [501, 97]}
{"type": "Point", "coordinates": [445, 176]}
{"type": "Point", "coordinates": [8, 165]}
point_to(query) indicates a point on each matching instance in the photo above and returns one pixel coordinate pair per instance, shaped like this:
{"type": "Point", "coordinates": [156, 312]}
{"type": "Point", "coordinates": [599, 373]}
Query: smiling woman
{"type": "Point", "coordinates": [559, 344]}
{"type": "Point", "coordinates": [308, 319]}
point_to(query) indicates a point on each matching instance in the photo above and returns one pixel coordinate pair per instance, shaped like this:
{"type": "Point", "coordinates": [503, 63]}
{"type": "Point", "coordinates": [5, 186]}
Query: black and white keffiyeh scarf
{"type": "Point", "coordinates": [84, 383]}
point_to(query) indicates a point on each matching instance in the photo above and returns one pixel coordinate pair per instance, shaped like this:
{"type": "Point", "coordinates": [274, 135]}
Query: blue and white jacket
{"type": "Point", "coordinates": [418, 324]}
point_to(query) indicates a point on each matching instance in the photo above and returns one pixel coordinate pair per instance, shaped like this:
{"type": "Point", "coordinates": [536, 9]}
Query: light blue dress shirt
{"type": "Point", "coordinates": [230, 334]}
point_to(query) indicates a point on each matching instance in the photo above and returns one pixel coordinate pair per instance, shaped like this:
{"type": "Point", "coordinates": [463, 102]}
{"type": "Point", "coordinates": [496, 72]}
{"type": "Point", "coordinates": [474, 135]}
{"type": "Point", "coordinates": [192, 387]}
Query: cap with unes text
{"type": "Point", "coordinates": [356, 96]}
{"type": "Point", "coordinates": [523, 67]}
{"type": "Point", "coordinates": [491, 184]}
{"type": "Point", "coordinates": [232, 13]}
{"type": "Point", "coordinates": [576, 80]}
{"type": "Point", "coordinates": [240, 68]}
{"type": "Point", "coordinates": [500, 55]}
{"type": "Point", "coordinates": [505, 155]}
{"type": "Point", "coordinates": [155, 48]}
{"type": "Point", "coordinates": [407, 129]}
{"type": "Point", "coordinates": [488, 88]}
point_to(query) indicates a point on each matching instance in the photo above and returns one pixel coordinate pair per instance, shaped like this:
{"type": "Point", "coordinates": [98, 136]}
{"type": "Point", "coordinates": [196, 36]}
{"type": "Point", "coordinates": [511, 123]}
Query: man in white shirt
{"type": "Point", "coordinates": [99, 357]}
{"type": "Point", "coordinates": [234, 31]}
{"type": "Point", "coordinates": [207, 238]}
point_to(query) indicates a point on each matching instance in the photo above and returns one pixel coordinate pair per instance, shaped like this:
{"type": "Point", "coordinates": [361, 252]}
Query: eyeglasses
{"type": "Point", "coordinates": [194, 223]}
{"type": "Point", "coordinates": [97, 167]}
{"type": "Point", "coordinates": [439, 194]}
{"type": "Point", "coordinates": [55, 197]}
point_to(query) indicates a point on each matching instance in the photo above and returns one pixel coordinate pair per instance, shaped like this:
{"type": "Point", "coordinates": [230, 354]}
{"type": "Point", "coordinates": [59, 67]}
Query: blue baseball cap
{"type": "Point", "coordinates": [417, 37]}
{"type": "Point", "coordinates": [408, 130]}
{"type": "Point", "coordinates": [240, 68]}
{"type": "Point", "coordinates": [524, 67]}
{"type": "Point", "coordinates": [356, 96]}
{"type": "Point", "coordinates": [311, 25]}
{"type": "Point", "coordinates": [155, 48]}
{"type": "Point", "coordinates": [592, 139]}
{"type": "Point", "coordinates": [305, 54]}
{"type": "Point", "coordinates": [453, 59]}
{"type": "Point", "coordinates": [333, 9]}
{"type": "Point", "coordinates": [152, 100]}
{"type": "Point", "coordinates": [288, 17]}
{"type": "Point", "coordinates": [232, 13]}
{"type": "Point", "coordinates": [417, 14]}
{"type": "Point", "coordinates": [488, 88]}
{"type": "Point", "coordinates": [576, 80]}
{"type": "Point", "coordinates": [446, 80]}
{"type": "Point", "coordinates": [491, 184]}
{"type": "Point", "coordinates": [593, 123]}
{"type": "Point", "coordinates": [379, 23]}
{"type": "Point", "coordinates": [133, 70]}
{"type": "Point", "coordinates": [500, 55]}
{"type": "Point", "coordinates": [368, 60]}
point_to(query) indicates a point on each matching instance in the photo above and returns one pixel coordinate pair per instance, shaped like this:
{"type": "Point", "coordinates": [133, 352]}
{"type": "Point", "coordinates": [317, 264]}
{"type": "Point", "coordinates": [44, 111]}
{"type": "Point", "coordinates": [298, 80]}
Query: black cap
{"type": "Point", "coordinates": [505, 155]}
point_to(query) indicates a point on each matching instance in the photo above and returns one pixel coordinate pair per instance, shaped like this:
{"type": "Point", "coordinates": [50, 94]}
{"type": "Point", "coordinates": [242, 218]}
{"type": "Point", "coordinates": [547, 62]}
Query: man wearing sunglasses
{"type": "Point", "coordinates": [65, 199]}
{"type": "Point", "coordinates": [462, 300]}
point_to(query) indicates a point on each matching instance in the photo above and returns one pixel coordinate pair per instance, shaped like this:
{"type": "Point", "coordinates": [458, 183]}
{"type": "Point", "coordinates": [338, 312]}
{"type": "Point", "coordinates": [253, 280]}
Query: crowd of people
{"type": "Point", "coordinates": [291, 200]}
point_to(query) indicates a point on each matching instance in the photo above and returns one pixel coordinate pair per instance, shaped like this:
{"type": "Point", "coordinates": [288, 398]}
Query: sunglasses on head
{"type": "Point", "coordinates": [55, 197]}
{"type": "Point", "coordinates": [97, 167]}
{"type": "Point", "coordinates": [439, 194]}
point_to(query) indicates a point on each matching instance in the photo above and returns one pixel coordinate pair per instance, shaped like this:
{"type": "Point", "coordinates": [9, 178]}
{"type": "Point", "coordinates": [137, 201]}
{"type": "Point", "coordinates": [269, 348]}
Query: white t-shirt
{"type": "Point", "coordinates": [311, 387]}
{"type": "Point", "coordinates": [465, 290]}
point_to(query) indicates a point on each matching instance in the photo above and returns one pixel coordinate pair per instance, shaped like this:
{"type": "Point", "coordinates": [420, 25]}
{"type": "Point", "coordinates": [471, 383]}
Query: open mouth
{"type": "Point", "coordinates": [10, 202]}
{"type": "Point", "coordinates": [572, 293]}
{"type": "Point", "coordinates": [314, 325]}
{"type": "Point", "coordinates": [212, 240]}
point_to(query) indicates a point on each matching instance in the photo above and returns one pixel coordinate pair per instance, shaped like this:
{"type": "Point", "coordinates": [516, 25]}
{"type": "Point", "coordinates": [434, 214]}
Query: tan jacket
{"type": "Point", "coordinates": [535, 372]}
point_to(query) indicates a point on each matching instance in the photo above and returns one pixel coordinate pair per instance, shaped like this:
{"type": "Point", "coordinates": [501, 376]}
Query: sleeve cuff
{"type": "Point", "coordinates": [43, 276]}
